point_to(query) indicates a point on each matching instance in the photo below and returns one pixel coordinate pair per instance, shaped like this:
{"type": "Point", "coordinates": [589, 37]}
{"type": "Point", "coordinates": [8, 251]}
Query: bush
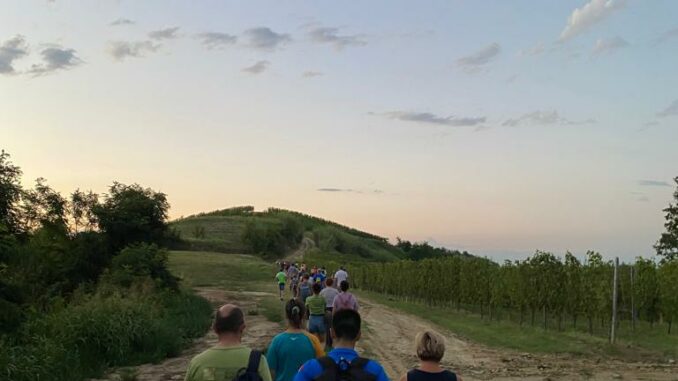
{"type": "Point", "coordinates": [82, 340]}
{"type": "Point", "coordinates": [140, 261]}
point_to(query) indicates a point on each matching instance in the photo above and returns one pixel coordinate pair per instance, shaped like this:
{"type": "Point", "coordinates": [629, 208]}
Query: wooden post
{"type": "Point", "coordinates": [613, 326]}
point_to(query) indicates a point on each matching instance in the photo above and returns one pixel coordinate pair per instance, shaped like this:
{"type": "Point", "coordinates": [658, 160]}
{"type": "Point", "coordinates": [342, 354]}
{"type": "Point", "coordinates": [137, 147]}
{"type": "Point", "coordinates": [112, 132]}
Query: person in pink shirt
{"type": "Point", "coordinates": [345, 300]}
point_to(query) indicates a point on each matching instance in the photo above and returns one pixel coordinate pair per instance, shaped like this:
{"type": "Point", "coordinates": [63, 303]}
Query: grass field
{"type": "Point", "coordinates": [645, 344]}
{"type": "Point", "coordinates": [233, 272]}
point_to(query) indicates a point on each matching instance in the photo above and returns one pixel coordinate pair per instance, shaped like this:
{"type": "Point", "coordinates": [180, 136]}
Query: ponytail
{"type": "Point", "coordinates": [295, 312]}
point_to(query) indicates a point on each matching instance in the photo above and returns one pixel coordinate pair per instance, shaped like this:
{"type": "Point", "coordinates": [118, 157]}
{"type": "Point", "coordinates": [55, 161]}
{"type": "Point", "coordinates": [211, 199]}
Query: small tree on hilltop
{"type": "Point", "coordinates": [667, 246]}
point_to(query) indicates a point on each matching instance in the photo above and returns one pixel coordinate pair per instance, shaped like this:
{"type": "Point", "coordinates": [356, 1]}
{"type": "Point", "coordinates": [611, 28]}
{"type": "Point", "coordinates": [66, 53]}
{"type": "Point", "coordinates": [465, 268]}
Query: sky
{"type": "Point", "coordinates": [497, 127]}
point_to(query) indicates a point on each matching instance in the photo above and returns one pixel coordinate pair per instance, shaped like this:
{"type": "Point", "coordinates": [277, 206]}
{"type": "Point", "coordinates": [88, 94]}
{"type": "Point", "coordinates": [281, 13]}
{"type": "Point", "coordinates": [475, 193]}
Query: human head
{"type": "Point", "coordinates": [316, 288]}
{"type": "Point", "coordinates": [329, 282]}
{"type": "Point", "coordinates": [346, 325]}
{"type": "Point", "coordinates": [343, 286]}
{"type": "Point", "coordinates": [295, 311]}
{"type": "Point", "coordinates": [229, 319]}
{"type": "Point", "coordinates": [306, 277]}
{"type": "Point", "coordinates": [430, 346]}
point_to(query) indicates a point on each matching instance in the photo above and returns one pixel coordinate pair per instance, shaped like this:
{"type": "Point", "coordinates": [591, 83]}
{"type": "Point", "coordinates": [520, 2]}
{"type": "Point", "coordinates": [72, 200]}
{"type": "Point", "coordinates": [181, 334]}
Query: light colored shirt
{"type": "Point", "coordinates": [329, 293]}
{"type": "Point", "coordinates": [340, 276]}
{"type": "Point", "coordinates": [222, 363]}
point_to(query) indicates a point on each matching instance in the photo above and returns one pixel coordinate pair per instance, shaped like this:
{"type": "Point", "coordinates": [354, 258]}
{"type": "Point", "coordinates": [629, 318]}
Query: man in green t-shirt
{"type": "Point", "coordinates": [315, 305]}
{"type": "Point", "coordinates": [281, 277]}
{"type": "Point", "coordinates": [222, 362]}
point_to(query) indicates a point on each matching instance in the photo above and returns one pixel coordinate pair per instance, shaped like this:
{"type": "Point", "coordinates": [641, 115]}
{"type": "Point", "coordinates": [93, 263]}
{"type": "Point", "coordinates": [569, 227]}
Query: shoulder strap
{"type": "Point", "coordinates": [359, 362]}
{"type": "Point", "coordinates": [253, 364]}
{"type": "Point", "coordinates": [327, 362]}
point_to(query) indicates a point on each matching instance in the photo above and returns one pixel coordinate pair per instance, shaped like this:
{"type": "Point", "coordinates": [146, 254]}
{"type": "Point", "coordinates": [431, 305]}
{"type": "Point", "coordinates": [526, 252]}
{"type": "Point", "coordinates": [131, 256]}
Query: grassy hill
{"type": "Point", "coordinates": [275, 233]}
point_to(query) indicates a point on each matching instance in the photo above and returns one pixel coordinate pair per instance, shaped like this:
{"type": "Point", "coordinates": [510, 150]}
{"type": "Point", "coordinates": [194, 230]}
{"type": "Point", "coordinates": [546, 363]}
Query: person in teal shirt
{"type": "Point", "coordinates": [282, 279]}
{"type": "Point", "coordinates": [290, 349]}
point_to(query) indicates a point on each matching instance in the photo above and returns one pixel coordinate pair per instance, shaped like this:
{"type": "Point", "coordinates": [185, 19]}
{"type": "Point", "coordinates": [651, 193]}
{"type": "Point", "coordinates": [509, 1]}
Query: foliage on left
{"type": "Point", "coordinates": [84, 282]}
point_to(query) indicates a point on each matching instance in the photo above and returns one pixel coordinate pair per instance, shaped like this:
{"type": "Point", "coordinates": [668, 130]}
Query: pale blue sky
{"type": "Point", "coordinates": [499, 127]}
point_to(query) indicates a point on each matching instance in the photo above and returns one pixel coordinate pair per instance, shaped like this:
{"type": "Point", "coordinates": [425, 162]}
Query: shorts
{"type": "Point", "coordinates": [282, 286]}
{"type": "Point", "coordinates": [316, 324]}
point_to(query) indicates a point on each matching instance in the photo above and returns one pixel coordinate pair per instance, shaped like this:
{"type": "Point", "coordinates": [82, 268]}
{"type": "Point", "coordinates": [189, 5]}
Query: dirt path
{"type": "Point", "coordinates": [298, 255]}
{"type": "Point", "coordinates": [389, 337]}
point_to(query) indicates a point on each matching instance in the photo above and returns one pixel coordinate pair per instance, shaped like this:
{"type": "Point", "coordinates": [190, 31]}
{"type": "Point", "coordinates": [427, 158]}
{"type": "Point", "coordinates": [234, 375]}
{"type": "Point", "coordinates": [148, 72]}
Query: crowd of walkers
{"type": "Point", "coordinates": [323, 327]}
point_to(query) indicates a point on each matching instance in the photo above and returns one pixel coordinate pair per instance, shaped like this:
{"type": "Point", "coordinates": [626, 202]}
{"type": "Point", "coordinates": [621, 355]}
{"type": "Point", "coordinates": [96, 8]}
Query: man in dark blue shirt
{"type": "Point", "coordinates": [345, 333]}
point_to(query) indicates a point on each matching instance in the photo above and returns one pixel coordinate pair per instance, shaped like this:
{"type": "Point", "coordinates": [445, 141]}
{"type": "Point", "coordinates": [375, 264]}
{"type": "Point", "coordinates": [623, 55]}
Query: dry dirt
{"type": "Point", "coordinates": [388, 336]}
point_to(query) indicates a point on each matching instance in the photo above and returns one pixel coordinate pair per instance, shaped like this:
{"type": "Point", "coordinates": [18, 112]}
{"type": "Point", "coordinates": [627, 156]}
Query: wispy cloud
{"type": "Point", "coordinates": [667, 36]}
{"type": "Point", "coordinates": [534, 51]}
{"type": "Point", "coordinates": [258, 68]}
{"type": "Point", "coordinates": [324, 35]}
{"type": "Point", "coordinates": [349, 190]}
{"type": "Point", "coordinates": [120, 50]}
{"type": "Point", "coordinates": [427, 117]}
{"type": "Point", "coordinates": [653, 183]}
{"type": "Point", "coordinates": [311, 74]}
{"type": "Point", "coordinates": [10, 51]}
{"type": "Point", "coordinates": [122, 21]}
{"type": "Point", "coordinates": [479, 60]}
{"type": "Point", "coordinates": [264, 38]}
{"type": "Point", "coordinates": [214, 40]}
{"type": "Point", "coordinates": [604, 46]}
{"type": "Point", "coordinates": [588, 15]}
{"type": "Point", "coordinates": [55, 58]}
{"type": "Point", "coordinates": [164, 34]}
{"type": "Point", "coordinates": [543, 118]}
{"type": "Point", "coordinates": [671, 110]}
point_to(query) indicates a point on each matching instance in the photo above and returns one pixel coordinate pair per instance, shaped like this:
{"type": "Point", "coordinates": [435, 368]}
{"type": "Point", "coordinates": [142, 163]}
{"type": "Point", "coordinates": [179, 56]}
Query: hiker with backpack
{"type": "Point", "coordinates": [345, 300]}
{"type": "Point", "coordinates": [304, 288]}
{"type": "Point", "coordinates": [343, 362]}
{"type": "Point", "coordinates": [292, 348]}
{"type": "Point", "coordinates": [430, 348]}
{"type": "Point", "coordinates": [229, 359]}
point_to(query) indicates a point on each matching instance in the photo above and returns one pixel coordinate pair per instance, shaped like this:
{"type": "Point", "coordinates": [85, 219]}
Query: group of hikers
{"type": "Point", "coordinates": [325, 314]}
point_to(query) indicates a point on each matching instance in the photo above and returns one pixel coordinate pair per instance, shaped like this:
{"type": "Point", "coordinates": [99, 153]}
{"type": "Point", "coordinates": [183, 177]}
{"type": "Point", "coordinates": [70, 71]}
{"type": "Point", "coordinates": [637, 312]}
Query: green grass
{"type": "Point", "coordinates": [229, 271]}
{"type": "Point", "coordinates": [235, 272]}
{"type": "Point", "coordinates": [222, 233]}
{"type": "Point", "coordinates": [644, 344]}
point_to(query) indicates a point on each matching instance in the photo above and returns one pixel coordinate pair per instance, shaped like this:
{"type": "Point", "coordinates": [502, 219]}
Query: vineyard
{"type": "Point", "coordinates": [542, 289]}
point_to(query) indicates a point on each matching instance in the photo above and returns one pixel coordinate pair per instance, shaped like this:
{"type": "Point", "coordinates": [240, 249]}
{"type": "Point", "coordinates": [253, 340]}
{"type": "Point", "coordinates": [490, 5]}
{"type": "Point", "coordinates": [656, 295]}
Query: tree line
{"type": "Point", "coordinates": [84, 282]}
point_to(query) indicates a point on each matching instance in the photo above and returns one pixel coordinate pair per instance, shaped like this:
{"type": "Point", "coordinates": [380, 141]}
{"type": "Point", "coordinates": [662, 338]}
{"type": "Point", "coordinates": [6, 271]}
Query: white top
{"type": "Point", "coordinates": [329, 293]}
{"type": "Point", "coordinates": [340, 276]}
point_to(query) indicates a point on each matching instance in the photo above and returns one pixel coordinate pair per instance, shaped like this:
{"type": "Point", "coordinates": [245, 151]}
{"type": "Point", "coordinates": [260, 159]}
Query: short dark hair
{"type": "Point", "coordinates": [316, 288]}
{"type": "Point", "coordinates": [343, 286]}
{"type": "Point", "coordinates": [329, 281]}
{"type": "Point", "coordinates": [230, 323]}
{"type": "Point", "coordinates": [346, 324]}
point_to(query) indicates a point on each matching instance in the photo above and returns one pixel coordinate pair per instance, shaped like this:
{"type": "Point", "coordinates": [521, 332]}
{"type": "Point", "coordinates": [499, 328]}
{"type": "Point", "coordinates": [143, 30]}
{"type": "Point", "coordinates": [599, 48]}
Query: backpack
{"type": "Point", "coordinates": [304, 291]}
{"type": "Point", "coordinates": [251, 373]}
{"type": "Point", "coordinates": [344, 371]}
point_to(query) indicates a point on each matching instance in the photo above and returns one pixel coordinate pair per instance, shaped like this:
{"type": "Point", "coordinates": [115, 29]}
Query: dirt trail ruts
{"type": "Point", "coordinates": [258, 335]}
{"type": "Point", "coordinates": [298, 254]}
{"type": "Point", "coordinates": [388, 335]}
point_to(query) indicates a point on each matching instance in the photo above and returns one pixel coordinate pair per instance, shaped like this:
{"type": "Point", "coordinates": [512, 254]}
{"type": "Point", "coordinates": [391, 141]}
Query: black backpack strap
{"type": "Point", "coordinates": [359, 362]}
{"type": "Point", "coordinates": [330, 369]}
{"type": "Point", "coordinates": [358, 372]}
{"type": "Point", "coordinates": [253, 363]}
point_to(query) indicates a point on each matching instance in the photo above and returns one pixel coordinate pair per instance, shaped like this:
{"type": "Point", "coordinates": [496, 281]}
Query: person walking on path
{"type": "Point", "coordinates": [341, 275]}
{"type": "Point", "coordinates": [315, 306]}
{"type": "Point", "coordinates": [343, 360]}
{"type": "Point", "coordinates": [281, 277]}
{"type": "Point", "coordinates": [430, 348]}
{"type": "Point", "coordinates": [305, 289]}
{"type": "Point", "coordinates": [292, 348]}
{"type": "Point", "coordinates": [228, 356]}
{"type": "Point", "coordinates": [329, 293]}
{"type": "Point", "coordinates": [345, 300]}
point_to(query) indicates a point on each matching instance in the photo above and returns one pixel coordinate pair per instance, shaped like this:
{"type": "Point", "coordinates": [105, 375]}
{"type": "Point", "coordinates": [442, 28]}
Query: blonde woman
{"type": "Point", "coordinates": [430, 348]}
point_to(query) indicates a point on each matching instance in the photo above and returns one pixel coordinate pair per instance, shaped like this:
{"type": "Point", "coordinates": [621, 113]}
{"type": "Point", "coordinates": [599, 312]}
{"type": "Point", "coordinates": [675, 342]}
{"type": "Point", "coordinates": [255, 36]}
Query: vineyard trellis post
{"type": "Point", "coordinates": [633, 307]}
{"type": "Point", "coordinates": [613, 326]}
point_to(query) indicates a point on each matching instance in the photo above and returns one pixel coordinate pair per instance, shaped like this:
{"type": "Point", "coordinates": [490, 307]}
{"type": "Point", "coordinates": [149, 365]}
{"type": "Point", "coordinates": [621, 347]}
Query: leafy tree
{"type": "Point", "coordinates": [132, 214]}
{"type": "Point", "coordinates": [667, 246]}
{"type": "Point", "coordinates": [668, 291]}
{"type": "Point", "coordinates": [646, 290]}
{"type": "Point", "coordinates": [10, 194]}
{"type": "Point", "coordinates": [573, 286]}
{"type": "Point", "coordinates": [81, 207]}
